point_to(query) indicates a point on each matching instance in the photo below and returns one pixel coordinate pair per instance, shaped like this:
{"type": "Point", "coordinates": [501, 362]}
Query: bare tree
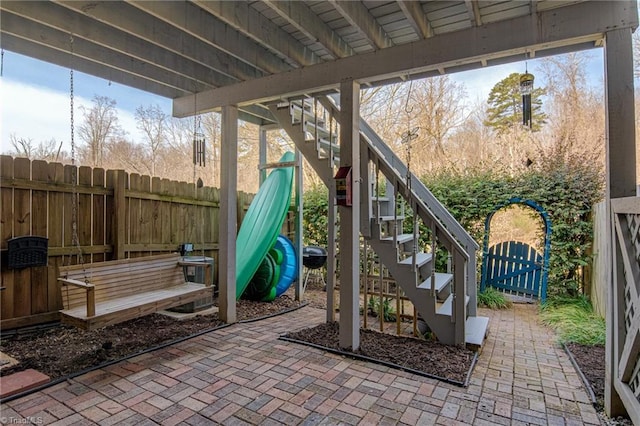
{"type": "Point", "coordinates": [124, 154]}
{"type": "Point", "coordinates": [99, 127]}
{"type": "Point", "coordinates": [153, 123]}
{"type": "Point", "coordinates": [46, 150]}
{"type": "Point", "coordinates": [576, 109]}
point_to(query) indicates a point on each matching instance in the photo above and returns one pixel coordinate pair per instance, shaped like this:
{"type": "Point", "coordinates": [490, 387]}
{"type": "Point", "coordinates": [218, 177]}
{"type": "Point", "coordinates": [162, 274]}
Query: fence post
{"type": "Point", "coordinates": [119, 217]}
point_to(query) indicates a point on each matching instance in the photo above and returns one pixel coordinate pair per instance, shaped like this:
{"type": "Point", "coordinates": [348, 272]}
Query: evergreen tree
{"type": "Point", "coordinates": [504, 109]}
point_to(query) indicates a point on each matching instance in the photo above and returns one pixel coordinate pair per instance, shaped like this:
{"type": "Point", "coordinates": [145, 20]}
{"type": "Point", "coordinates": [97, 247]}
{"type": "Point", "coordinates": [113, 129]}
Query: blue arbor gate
{"type": "Point", "coordinates": [513, 266]}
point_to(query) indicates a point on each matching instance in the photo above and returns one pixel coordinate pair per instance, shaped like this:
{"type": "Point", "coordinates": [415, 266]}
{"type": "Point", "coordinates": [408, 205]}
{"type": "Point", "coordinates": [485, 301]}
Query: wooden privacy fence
{"type": "Point", "coordinates": [600, 270]}
{"type": "Point", "coordinates": [119, 215]}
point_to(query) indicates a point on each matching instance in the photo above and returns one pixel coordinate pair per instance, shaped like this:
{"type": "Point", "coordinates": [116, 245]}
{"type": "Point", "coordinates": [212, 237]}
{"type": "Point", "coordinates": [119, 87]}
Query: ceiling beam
{"type": "Point", "coordinates": [212, 32]}
{"type": "Point", "coordinates": [64, 59]}
{"type": "Point", "coordinates": [299, 15]}
{"type": "Point", "coordinates": [566, 26]}
{"type": "Point", "coordinates": [133, 21]}
{"type": "Point", "coordinates": [474, 12]}
{"type": "Point", "coordinates": [244, 18]}
{"type": "Point", "coordinates": [359, 17]}
{"type": "Point", "coordinates": [68, 21]}
{"type": "Point", "coordinates": [55, 39]}
{"type": "Point", "coordinates": [417, 18]}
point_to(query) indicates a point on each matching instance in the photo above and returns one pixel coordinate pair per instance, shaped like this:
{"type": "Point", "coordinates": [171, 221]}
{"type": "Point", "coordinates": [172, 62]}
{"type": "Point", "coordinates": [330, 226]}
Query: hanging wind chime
{"type": "Point", "coordinates": [526, 87]}
{"type": "Point", "coordinates": [198, 145]}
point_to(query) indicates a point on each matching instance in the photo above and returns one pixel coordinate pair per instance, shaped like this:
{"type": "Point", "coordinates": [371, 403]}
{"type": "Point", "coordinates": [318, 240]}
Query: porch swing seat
{"type": "Point", "coordinates": [106, 293]}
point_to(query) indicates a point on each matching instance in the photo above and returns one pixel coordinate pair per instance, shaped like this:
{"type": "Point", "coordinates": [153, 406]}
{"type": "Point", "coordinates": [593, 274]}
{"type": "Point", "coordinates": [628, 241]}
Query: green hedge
{"type": "Point", "coordinates": [567, 190]}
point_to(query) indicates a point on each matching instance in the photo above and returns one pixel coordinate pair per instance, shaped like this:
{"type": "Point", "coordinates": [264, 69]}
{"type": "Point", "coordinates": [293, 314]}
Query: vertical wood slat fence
{"type": "Point", "coordinates": [118, 216]}
{"type": "Point", "coordinates": [600, 268]}
{"type": "Point", "coordinates": [623, 324]}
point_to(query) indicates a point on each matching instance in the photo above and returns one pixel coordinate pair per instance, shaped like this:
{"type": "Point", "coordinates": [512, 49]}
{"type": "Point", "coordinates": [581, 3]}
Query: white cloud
{"type": "Point", "coordinates": [42, 114]}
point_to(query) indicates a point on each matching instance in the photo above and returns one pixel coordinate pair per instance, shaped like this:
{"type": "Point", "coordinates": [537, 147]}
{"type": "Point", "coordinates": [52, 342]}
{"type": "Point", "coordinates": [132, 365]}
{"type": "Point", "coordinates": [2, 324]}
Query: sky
{"type": "Point", "coordinates": [35, 96]}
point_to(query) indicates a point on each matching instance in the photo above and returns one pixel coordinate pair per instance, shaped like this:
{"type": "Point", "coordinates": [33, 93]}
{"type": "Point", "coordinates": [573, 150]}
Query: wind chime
{"type": "Point", "coordinates": [526, 87]}
{"type": "Point", "coordinates": [198, 144]}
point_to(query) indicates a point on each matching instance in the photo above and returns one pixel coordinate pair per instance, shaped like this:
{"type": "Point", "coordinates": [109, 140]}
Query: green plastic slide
{"type": "Point", "coordinates": [262, 223]}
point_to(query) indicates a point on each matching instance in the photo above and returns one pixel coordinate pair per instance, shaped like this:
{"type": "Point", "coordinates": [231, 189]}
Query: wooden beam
{"type": "Point", "coordinates": [241, 16]}
{"type": "Point", "coordinates": [474, 12]}
{"type": "Point", "coordinates": [349, 335]}
{"type": "Point", "coordinates": [359, 17]}
{"type": "Point", "coordinates": [566, 26]}
{"type": "Point", "coordinates": [63, 59]}
{"type": "Point", "coordinates": [213, 32]}
{"type": "Point", "coordinates": [620, 115]}
{"type": "Point", "coordinates": [417, 18]}
{"type": "Point", "coordinates": [228, 225]}
{"type": "Point", "coordinates": [129, 19]}
{"type": "Point", "coordinates": [24, 29]}
{"type": "Point", "coordinates": [299, 15]}
{"type": "Point", "coordinates": [83, 27]}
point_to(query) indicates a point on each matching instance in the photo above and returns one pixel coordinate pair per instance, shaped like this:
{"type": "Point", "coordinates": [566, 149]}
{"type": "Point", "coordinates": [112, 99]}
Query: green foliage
{"type": "Point", "coordinates": [388, 313]}
{"type": "Point", "coordinates": [315, 216]}
{"type": "Point", "coordinates": [505, 105]}
{"type": "Point", "coordinates": [574, 320]}
{"type": "Point", "coordinates": [493, 299]}
{"type": "Point", "coordinates": [565, 188]}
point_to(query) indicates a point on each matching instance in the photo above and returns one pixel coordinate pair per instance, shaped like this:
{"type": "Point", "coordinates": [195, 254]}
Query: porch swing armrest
{"type": "Point", "coordinates": [76, 283]}
{"type": "Point", "coordinates": [91, 295]}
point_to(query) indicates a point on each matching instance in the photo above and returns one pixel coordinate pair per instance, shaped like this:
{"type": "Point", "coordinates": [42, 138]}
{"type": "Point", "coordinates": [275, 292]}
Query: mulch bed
{"type": "Point", "coordinates": [64, 350]}
{"type": "Point", "coordinates": [449, 363]}
{"type": "Point", "coordinates": [590, 360]}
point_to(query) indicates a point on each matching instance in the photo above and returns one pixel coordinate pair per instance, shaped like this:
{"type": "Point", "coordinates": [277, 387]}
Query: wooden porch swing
{"type": "Point", "coordinates": [100, 294]}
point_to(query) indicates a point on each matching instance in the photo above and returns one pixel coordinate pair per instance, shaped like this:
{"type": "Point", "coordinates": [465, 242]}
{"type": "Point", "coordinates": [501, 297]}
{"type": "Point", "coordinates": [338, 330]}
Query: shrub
{"type": "Point", "coordinates": [493, 299]}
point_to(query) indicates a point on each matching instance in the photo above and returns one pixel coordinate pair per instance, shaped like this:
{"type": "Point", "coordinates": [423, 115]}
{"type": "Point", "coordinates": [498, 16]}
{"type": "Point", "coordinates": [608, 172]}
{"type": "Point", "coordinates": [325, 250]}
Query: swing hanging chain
{"type": "Point", "coordinates": [409, 135]}
{"type": "Point", "coordinates": [75, 241]}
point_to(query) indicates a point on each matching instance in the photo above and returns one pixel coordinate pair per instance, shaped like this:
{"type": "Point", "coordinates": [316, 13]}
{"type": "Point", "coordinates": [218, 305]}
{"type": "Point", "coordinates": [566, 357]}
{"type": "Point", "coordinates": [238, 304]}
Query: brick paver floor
{"type": "Point", "coordinates": [243, 375]}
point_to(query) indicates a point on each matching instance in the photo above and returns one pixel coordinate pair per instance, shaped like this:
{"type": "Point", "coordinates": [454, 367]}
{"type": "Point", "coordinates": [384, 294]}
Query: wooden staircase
{"type": "Point", "coordinates": [445, 297]}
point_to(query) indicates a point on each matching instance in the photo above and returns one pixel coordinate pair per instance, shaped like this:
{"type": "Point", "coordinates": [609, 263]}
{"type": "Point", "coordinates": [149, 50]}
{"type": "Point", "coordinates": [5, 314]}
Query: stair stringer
{"type": "Point", "coordinates": [423, 300]}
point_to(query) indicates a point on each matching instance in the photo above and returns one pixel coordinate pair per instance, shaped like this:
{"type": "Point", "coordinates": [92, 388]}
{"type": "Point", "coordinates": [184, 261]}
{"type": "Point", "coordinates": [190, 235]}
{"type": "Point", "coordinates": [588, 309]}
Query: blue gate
{"type": "Point", "coordinates": [516, 267]}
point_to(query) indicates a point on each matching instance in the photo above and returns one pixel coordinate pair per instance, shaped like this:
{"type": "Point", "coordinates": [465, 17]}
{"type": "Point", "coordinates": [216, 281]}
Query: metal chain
{"type": "Point", "coordinates": [75, 240]}
{"type": "Point", "coordinates": [1, 62]}
{"type": "Point", "coordinates": [409, 135]}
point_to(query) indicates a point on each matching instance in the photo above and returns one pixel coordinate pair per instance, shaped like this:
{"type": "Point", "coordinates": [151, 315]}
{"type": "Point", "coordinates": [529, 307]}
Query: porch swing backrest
{"type": "Point", "coordinates": [100, 294]}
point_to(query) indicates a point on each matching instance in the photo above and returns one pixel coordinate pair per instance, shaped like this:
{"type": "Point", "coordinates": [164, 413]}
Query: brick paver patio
{"type": "Point", "coordinates": [243, 375]}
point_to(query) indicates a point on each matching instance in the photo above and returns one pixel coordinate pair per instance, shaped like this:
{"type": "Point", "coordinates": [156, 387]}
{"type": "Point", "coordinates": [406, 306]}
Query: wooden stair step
{"type": "Point", "coordinates": [402, 238]}
{"type": "Point", "coordinates": [421, 259]}
{"type": "Point", "coordinates": [475, 331]}
{"type": "Point", "coordinates": [390, 218]}
{"type": "Point", "coordinates": [447, 305]}
{"type": "Point", "coordinates": [381, 199]}
{"type": "Point", "coordinates": [442, 279]}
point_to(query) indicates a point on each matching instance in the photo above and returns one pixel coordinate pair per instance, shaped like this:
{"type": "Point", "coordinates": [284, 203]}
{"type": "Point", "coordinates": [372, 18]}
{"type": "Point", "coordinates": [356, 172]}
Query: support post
{"type": "Point", "coordinates": [228, 225]}
{"type": "Point", "coordinates": [621, 182]}
{"type": "Point", "coordinates": [297, 243]}
{"type": "Point", "coordinates": [331, 252]}
{"type": "Point", "coordinates": [262, 153]}
{"type": "Point", "coordinates": [350, 217]}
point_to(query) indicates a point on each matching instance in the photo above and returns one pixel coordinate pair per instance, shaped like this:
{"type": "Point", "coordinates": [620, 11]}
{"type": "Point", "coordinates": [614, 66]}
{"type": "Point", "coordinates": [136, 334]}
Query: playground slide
{"type": "Point", "coordinates": [262, 224]}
